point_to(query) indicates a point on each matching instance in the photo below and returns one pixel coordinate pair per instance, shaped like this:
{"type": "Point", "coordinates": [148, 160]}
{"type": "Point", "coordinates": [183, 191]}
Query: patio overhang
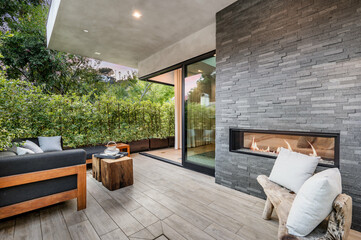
{"type": "Point", "coordinates": [168, 32]}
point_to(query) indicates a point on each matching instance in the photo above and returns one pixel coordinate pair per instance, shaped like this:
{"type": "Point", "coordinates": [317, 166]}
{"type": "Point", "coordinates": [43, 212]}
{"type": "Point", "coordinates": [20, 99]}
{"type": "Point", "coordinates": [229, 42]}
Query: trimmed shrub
{"type": "Point", "coordinates": [27, 112]}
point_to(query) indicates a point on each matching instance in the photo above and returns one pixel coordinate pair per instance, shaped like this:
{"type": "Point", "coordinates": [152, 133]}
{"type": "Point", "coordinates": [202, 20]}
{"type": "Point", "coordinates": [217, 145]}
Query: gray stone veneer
{"type": "Point", "coordinates": [289, 65]}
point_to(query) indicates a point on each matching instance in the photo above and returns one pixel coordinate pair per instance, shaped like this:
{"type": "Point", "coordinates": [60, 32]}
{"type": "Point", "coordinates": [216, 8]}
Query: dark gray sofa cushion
{"type": "Point", "coordinates": [40, 161]}
{"type": "Point", "coordinates": [21, 193]}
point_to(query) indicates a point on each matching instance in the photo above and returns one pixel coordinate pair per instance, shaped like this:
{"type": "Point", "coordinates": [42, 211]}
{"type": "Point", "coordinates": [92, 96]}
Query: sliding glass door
{"type": "Point", "coordinates": [199, 110]}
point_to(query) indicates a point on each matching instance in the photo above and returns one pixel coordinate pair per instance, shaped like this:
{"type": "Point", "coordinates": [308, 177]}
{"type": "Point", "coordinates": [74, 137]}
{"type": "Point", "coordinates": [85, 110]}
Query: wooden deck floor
{"type": "Point", "coordinates": [171, 154]}
{"type": "Point", "coordinates": [165, 202]}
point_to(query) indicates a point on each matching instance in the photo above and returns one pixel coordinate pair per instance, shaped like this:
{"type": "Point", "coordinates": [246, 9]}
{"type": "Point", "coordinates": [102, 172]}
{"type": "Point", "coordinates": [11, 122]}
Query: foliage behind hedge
{"type": "Point", "coordinates": [27, 112]}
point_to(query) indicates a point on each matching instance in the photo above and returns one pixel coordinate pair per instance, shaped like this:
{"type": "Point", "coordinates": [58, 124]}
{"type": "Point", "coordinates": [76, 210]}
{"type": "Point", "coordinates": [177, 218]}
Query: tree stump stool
{"type": "Point", "coordinates": [117, 173]}
{"type": "Point", "coordinates": [96, 168]}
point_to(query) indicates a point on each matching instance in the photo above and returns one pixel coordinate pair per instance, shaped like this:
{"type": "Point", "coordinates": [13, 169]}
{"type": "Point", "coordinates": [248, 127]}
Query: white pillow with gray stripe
{"type": "Point", "coordinates": [23, 151]}
{"type": "Point", "coordinates": [32, 146]}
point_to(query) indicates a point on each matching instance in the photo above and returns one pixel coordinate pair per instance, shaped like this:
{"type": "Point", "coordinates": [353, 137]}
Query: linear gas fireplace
{"type": "Point", "coordinates": [267, 143]}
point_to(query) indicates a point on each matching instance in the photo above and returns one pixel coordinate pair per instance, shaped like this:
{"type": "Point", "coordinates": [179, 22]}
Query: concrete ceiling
{"type": "Point", "coordinates": [117, 35]}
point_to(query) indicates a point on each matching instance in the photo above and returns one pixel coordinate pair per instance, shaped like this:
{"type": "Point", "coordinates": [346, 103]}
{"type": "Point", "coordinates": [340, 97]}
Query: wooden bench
{"type": "Point", "coordinates": [336, 227]}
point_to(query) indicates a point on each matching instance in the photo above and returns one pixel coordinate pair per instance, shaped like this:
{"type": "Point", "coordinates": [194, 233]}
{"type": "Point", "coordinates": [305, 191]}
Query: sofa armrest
{"type": "Point", "coordinates": [40, 161]}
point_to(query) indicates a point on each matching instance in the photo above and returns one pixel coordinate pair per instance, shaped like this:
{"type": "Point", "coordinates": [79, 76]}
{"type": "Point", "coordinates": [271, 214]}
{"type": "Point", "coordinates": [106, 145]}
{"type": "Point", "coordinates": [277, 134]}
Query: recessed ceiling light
{"type": "Point", "coordinates": [85, 30]}
{"type": "Point", "coordinates": [97, 53]}
{"type": "Point", "coordinates": [137, 14]}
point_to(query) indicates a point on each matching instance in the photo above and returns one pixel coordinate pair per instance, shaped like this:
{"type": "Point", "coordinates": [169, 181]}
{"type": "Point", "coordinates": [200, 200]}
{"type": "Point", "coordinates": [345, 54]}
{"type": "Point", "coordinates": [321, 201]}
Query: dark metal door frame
{"type": "Point", "coordinates": [195, 167]}
{"type": "Point", "coordinates": [183, 66]}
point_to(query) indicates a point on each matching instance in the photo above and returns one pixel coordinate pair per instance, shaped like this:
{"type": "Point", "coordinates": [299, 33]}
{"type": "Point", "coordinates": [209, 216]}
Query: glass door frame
{"type": "Point", "coordinates": [183, 66]}
{"type": "Point", "coordinates": [192, 166]}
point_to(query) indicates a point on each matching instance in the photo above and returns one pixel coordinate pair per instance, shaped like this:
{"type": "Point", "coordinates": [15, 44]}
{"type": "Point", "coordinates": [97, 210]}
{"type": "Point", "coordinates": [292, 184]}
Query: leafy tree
{"type": "Point", "coordinates": [136, 91]}
{"type": "Point", "coordinates": [25, 55]}
{"type": "Point", "coordinates": [11, 10]}
{"type": "Point", "coordinates": [204, 85]}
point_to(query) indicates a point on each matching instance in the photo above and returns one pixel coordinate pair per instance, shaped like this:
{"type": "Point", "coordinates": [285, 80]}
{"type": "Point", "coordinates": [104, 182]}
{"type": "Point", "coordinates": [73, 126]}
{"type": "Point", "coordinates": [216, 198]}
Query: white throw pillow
{"type": "Point", "coordinates": [23, 151]}
{"type": "Point", "coordinates": [292, 169]}
{"type": "Point", "coordinates": [313, 202]}
{"type": "Point", "coordinates": [32, 146]}
{"type": "Point", "coordinates": [50, 144]}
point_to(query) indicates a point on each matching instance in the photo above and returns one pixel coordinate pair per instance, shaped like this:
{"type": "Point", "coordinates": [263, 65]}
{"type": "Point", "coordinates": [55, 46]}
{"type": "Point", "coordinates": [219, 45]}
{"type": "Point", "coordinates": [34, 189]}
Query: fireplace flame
{"type": "Point", "coordinates": [254, 147]}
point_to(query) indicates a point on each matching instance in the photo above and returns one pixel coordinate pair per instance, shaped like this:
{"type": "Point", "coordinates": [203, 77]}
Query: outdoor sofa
{"type": "Point", "coordinates": [33, 181]}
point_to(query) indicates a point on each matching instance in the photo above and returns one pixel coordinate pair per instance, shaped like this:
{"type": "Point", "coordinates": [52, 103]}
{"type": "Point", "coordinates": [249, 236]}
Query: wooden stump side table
{"type": "Point", "coordinates": [117, 173]}
{"type": "Point", "coordinates": [96, 168]}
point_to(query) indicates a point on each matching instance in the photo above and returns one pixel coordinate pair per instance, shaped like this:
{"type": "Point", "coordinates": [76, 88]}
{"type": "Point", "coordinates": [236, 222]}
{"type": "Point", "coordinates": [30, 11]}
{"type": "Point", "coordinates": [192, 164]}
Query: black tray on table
{"type": "Point", "coordinates": [118, 155]}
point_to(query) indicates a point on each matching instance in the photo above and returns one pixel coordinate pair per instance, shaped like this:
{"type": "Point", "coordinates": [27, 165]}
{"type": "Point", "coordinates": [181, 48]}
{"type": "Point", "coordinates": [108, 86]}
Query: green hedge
{"type": "Point", "coordinates": [27, 112]}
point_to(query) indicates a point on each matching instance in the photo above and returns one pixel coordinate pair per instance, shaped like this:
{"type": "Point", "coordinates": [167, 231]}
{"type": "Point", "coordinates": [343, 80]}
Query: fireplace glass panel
{"type": "Point", "coordinates": [269, 144]}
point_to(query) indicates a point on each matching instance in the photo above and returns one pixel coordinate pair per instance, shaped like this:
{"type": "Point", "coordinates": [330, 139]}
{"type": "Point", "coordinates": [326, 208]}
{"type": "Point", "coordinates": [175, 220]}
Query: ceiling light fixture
{"type": "Point", "coordinates": [97, 53]}
{"type": "Point", "coordinates": [137, 14]}
{"type": "Point", "coordinates": [85, 30]}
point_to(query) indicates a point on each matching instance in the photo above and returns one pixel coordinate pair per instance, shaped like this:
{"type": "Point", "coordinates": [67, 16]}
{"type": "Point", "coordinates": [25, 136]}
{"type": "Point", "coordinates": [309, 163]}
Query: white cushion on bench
{"type": "Point", "coordinates": [313, 202]}
{"type": "Point", "coordinates": [292, 169]}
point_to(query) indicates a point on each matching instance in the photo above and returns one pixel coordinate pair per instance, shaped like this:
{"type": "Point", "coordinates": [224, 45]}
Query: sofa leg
{"type": "Point", "coordinates": [81, 199]}
{"type": "Point", "coordinates": [268, 209]}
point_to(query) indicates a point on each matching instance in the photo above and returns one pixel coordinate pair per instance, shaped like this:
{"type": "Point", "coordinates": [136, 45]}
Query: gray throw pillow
{"type": "Point", "coordinates": [32, 146]}
{"type": "Point", "coordinates": [23, 151]}
{"type": "Point", "coordinates": [50, 144]}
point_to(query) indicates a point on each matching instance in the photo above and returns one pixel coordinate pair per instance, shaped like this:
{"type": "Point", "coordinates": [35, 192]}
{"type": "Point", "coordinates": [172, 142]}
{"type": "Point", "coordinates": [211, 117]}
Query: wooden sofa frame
{"type": "Point", "coordinates": [280, 199]}
{"type": "Point", "coordinates": [19, 179]}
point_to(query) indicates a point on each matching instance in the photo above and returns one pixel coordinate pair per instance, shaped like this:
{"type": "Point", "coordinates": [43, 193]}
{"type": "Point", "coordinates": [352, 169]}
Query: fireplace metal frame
{"type": "Point", "coordinates": [233, 142]}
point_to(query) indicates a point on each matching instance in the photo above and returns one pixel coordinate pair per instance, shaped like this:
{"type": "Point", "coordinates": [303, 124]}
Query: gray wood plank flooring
{"type": "Point", "coordinates": [165, 202]}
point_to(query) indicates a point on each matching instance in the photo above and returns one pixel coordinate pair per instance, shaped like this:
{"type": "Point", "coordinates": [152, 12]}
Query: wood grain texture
{"type": "Point", "coordinates": [268, 209]}
{"type": "Point", "coordinates": [100, 220]}
{"type": "Point", "coordinates": [117, 173]}
{"type": "Point", "coordinates": [70, 213]}
{"type": "Point", "coordinates": [53, 226]}
{"type": "Point", "coordinates": [7, 229]}
{"type": "Point", "coordinates": [143, 216]}
{"type": "Point", "coordinates": [81, 181]}
{"type": "Point", "coordinates": [156, 228]}
{"type": "Point", "coordinates": [186, 229]}
{"type": "Point", "coordinates": [30, 205]}
{"type": "Point", "coordinates": [25, 178]}
{"type": "Point", "coordinates": [115, 235]}
{"type": "Point", "coordinates": [19, 179]}
{"type": "Point", "coordinates": [27, 227]}
{"type": "Point", "coordinates": [83, 230]}
{"type": "Point", "coordinates": [96, 168]}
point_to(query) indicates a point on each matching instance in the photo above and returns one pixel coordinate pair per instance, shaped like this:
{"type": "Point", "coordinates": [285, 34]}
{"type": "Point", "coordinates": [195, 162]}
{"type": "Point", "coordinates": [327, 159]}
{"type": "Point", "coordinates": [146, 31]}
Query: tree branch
{"type": "Point", "coordinates": [145, 91]}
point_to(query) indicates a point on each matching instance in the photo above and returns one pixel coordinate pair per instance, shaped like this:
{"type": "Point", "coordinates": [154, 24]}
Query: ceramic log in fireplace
{"type": "Point", "coordinates": [268, 143]}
